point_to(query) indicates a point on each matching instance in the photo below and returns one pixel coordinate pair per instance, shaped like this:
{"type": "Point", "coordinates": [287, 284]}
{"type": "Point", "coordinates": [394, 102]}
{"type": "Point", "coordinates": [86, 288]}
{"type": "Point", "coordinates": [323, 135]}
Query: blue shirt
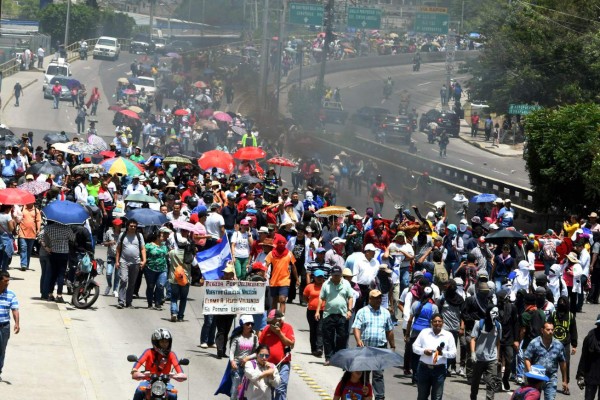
{"type": "Point", "coordinates": [8, 301]}
{"type": "Point", "coordinates": [9, 168]}
{"type": "Point", "coordinates": [373, 325]}
{"type": "Point", "coordinates": [549, 357]}
{"type": "Point", "coordinates": [506, 215]}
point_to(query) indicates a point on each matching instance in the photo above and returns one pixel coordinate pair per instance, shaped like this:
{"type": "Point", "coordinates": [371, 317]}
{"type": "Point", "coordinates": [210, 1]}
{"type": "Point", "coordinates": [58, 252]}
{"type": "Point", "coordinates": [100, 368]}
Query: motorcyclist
{"type": "Point", "coordinates": [157, 360]}
{"type": "Point", "coordinates": [417, 61]}
{"type": "Point", "coordinates": [387, 87]}
{"type": "Point", "coordinates": [83, 49]}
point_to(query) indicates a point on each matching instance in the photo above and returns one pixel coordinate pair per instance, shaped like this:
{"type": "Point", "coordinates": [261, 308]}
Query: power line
{"type": "Point", "coordinates": [558, 12]}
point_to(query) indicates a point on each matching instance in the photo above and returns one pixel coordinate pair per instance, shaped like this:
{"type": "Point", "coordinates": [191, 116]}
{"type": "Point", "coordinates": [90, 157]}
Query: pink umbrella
{"type": "Point", "coordinates": [222, 116]}
{"type": "Point", "coordinates": [129, 91]}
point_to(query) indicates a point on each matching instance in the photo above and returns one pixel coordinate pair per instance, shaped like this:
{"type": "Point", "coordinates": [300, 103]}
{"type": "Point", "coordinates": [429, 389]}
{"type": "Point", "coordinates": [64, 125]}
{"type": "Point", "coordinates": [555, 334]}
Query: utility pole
{"type": "Point", "coordinates": [449, 68]}
{"type": "Point", "coordinates": [264, 57]}
{"type": "Point", "coordinates": [281, 36]}
{"type": "Point", "coordinates": [152, 3]}
{"type": "Point", "coordinates": [328, 15]}
{"type": "Point", "coordinates": [67, 24]}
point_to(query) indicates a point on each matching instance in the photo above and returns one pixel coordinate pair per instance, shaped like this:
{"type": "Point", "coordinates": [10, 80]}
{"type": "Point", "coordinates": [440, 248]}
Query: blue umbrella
{"type": "Point", "coordinates": [65, 212]}
{"type": "Point", "coordinates": [483, 198]}
{"type": "Point", "coordinates": [147, 217]}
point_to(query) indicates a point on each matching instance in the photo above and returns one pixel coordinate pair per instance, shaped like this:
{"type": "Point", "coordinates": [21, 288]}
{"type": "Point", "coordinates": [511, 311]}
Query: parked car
{"type": "Point", "coordinates": [65, 93]}
{"type": "Point", "coordinates": [395, 128]}
{"type": "Point", "coordinates": [178, 46]}
{"type": "Point", "coordinates": [140, 44]}
{"type": "Point", "coordinates": [370, 117]}
{"type": "Point", "coordinates": [56, 68]}
{"type": "Point", "coordinates": [333, 112]}
{"type": "Point", "coordinates": [445, 119]}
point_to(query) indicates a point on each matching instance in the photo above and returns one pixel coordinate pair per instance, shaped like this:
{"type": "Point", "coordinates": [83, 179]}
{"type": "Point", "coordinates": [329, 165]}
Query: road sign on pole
{"type": "Point", "coordinates": [522, 109]}
{"type": "Point", "coordinates": [431, 22]}
{"type": "Point", "coordinates": [364, 18]}
{"type": "Point", "coordinates": [306, 14]}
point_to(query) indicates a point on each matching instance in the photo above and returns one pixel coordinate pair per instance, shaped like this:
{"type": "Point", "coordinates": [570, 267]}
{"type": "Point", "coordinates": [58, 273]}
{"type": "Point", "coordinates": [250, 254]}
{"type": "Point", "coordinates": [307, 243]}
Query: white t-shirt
{"type": "Point", "coordinates": [242, 248]}
{"type": "Point", "coordinates": [213, 224]}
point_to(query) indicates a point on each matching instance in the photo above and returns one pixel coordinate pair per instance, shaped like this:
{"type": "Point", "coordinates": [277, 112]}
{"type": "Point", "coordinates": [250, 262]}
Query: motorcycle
{"type": "Point", "coordinates": [387, 91]}
{"type": "Point", "coordinates": [85, 289]}
{"type": "Point", "coordinates": [159, 384]}
{"type": "Point", "coordinates": [83, 54]}
{"type": "Point", "coordinates": [416, 65]}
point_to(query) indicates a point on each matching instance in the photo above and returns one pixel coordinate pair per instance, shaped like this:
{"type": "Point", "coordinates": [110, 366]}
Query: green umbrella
{"type": "Point", "coordinates": [141, 198]}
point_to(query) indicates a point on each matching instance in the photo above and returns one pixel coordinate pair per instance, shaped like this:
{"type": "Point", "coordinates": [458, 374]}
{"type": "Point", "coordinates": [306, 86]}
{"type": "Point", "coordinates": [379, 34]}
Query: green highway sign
{"type": "Point", "coordinates": [364, 18]}
{"type": "Point", "coordinates": [306, 14]}
{"type": "Point", "coordinates": [431, 22]}
{"type": "Point", "coordinates": [522, 109]}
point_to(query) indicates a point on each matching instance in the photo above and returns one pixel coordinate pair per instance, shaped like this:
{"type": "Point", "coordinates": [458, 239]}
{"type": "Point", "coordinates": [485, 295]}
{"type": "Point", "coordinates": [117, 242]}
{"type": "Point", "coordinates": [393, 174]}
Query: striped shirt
{"type": "Point", "coordinates": [8, 301]}
{"type": "Point", "coordinates": [373, 325]}
{"type": "Point", "coordinates": [57, 237]}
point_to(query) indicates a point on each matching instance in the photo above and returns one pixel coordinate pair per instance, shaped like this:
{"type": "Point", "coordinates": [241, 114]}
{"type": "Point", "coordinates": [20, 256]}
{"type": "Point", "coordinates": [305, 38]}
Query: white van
{"type": "Point", "coordinates": [107, 47]}
{"type": "Point", "coordinates": [54, 68]}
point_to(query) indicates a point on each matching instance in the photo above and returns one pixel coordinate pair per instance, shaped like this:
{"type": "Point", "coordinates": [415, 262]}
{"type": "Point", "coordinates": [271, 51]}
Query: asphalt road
{"type": "Point", "coordinates": [101, 338]}
{"type": "Point", "coordinates": [365, 88]}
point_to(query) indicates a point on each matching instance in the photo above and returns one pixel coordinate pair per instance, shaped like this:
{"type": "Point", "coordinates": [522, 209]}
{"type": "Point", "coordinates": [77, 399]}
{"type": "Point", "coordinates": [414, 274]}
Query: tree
{"type": "Point", "coordinates": [82, 24]}
{"type": "Point", "coordinates": [538, 53]}
{"type": "Point", "coordinates": [563, 157]}
{"type": "Point", "coordinates": [116, 24]}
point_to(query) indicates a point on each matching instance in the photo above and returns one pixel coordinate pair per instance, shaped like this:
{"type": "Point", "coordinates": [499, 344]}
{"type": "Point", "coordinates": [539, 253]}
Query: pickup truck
{"type": "Point", "coordinates": [146, 82]}
{"type": "Point", "coordinates": [333, 112]}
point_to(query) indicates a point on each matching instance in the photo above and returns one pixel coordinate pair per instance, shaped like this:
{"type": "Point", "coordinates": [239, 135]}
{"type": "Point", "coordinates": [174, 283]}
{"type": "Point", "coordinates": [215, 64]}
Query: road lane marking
{"type": "Point", "coordinates": [120, 65]}
{"type": "Point", "coordinates": [423, 84]}
{"type": "Point", "coordinates": [110, 69]}
{"type": "Point", "coordinates": [465, 161]}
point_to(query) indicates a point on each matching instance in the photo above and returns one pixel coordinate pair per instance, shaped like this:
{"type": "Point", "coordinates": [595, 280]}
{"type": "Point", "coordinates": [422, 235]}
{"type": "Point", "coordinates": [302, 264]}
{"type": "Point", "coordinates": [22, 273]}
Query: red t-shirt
{"type": "Point", "coordinates": [275, 345]}
{"type": "Point", "coordinates": [377, 192]}
{"type": "Point", "coordinates": [355, 388]}
{"type": "Point", "coordinates": [156, 363]}
{"type": "Point", "coordinates": [312, 291]}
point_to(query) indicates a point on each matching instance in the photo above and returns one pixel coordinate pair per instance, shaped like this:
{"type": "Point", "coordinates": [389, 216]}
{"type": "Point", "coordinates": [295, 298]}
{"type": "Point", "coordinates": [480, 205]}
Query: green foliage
{"type": "Point", "coordinates": [86, 22]}
{"type": "Point", "coordinates": [544, 53]}
{"type": "Point", "coordinates": [563, 156]}
{"type": "Point", "coordinates": [304, 105]}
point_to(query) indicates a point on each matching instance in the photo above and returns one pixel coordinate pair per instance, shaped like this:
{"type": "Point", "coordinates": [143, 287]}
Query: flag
{"type": "Point", "coordinates": [212, 261]}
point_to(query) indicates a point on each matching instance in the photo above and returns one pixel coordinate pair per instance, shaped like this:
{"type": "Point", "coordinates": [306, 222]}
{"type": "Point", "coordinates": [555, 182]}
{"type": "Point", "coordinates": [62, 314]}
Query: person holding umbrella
{"type": "Point", "coordinates": [373, 327]}
{"type": "Point", "coordinates": [353, 384]}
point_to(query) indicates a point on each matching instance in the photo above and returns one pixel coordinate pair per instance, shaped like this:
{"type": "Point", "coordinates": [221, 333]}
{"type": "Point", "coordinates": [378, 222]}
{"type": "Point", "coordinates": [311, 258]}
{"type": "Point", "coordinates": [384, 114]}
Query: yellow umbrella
{"type": "Point", "coordinates": [123, 80]}
{"type": "Point", "coordinates": [331, 211]}
{"type": "Point", "coordinates": [135, 109]}
{"type": "Point", "coordinates": [64, 147]}
{"type": "Point", "coordinates": [393, 35]}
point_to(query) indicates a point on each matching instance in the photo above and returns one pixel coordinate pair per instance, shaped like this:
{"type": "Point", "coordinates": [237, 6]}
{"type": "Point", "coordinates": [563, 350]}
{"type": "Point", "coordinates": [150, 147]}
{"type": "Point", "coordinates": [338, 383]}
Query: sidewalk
{"type": "Point", "coordinates": [503, 150]}
{"type": "Point", "coordinates": [45, 345]}
{"type": "Point", "coordinates": [26, 78]}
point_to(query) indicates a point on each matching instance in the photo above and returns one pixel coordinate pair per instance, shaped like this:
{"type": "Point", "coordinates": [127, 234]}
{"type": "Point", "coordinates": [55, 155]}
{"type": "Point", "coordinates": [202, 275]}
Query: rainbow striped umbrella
{"type": "Point", "coordinates": [123, 166]}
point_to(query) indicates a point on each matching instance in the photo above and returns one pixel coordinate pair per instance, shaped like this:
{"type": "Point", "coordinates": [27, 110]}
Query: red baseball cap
{"type": "Point", "coordinates": [191, 183]}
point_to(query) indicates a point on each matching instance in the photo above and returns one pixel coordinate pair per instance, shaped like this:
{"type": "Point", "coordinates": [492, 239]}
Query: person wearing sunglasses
{"type": "Point", "coordinates": [242, 347]}
{"type": "Point", "coordinates": [261, 376]}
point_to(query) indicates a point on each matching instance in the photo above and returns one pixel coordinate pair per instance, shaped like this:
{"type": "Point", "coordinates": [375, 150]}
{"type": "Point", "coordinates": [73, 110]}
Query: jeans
{"type": "Point", "coordinates": [430, 380]}
{"type": "Point", "coordinates": [236, 379]}
{"type": "Point", "coordinates": [404, 278]}
{"type": "Point", "coordinates": [377, 207]}
{"type": "Point", "coordinates": [58, 266]}
{"type": "Point", "coordinates": [25, 249]}
{"type": "Point", "coordinates": [155, 286]}
{"type": "Point", "coordinates": [56, 101]}
{"type": "Point", "coordinates": [223, 323]}
{"type": "Point", "coordinates": [209, 328]}
{"type": "Point", "coordinates": [45, 265]}
{"type": "Point", "coordinates": [17, 101]}
{"type": "Point", "coordinates": [280, 392]}
{"type": "Point", "coordinates": [378, 385]}
{"type": "Point", "coordinates": [4, 336]}
{"type": "Point", "coordinates": [487, 369]}
{"type": "Point", "coordinates": [128, 274]}
{"type": "Point", "coordinates": [316, 334]}
{"type": "Point", "coordinates": [179, 294]}
{"type": "Point", "coordinates": [110, 273]}
{"type": "Point", "coordinates": [550, 388]}
{"type": "Point", "coordinates": [520, 362]}
{"type": "Point", "coordinates": [334, 334]}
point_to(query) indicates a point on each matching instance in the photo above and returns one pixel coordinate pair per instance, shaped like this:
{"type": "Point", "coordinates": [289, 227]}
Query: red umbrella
{"type": "Point", "coordinates": [130, 114]}
{"type": "Point", "coordinates": [181, 112]}
{"type": "Point", "coordinates": [14, 196]}
{"type": "Point", "coordinates": [116, 108]}
{"type": "Point", "coordinates": [207, 112]}
{"type": "Point", "coordinates": [218, 159]}
{"type": "Point", "coordinates": [108, 154]}
{"type": "Point", "coordinates": [249, 153]}
{"type": "Point", "coordinates": [200, 84]}
{"type": "Point", "coordinates": [282, 162]}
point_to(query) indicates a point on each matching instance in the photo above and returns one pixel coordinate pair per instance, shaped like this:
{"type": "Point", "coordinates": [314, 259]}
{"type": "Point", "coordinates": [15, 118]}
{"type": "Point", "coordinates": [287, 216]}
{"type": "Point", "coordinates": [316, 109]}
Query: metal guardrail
{"type": "Point", "coordinates": [399, 161]}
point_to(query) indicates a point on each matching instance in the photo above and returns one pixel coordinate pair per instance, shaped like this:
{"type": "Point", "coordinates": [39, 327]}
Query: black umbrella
{"type": "Point", "coordinates": [247, 180]}
{"type": "Point", "coordinates": [366, 359]}
{"type": "Point", "coordinates": [46, 168]}
{"type": "Point", "coordinates": [503, 234]}
{"type": "Point", "coordinates": [9, 141]}
{"type": "Point", "coordinates": [55, 137]}
{"type": "Point", "coordinates": [5, 132]}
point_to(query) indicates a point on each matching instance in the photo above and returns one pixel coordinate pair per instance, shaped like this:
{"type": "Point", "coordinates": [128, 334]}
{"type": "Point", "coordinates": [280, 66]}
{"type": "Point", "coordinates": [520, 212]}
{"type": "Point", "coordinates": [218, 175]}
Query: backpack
{"type": "Point", "coordinates": [521, 393]}
{"type": "Point", "coordinates": [497, 324]}
{"type": "Point", "coordinates": [139, 238]}
{"type": "Point", "coordinates": [440, 275]}
{"type": "Point", "coordinates": [243, 386]}
{"type": "Point", "coordinates": [95, 217]}
{"type": "Point", "coordinates": [549, 251]}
